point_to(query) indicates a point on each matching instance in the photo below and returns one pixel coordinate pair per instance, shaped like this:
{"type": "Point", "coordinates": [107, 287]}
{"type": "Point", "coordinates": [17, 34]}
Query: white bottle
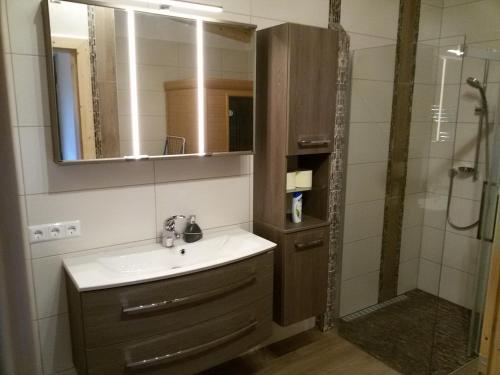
{"type": "Point", "coordinates": [297, 207]}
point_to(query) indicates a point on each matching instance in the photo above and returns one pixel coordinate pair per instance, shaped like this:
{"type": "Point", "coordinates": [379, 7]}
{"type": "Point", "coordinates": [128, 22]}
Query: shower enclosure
{"type": "Point", "coordinates": [433, 325]}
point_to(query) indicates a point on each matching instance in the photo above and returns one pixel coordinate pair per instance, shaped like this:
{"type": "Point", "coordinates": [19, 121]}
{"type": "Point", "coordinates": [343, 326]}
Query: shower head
{"type": "Point", "coordinates": [474, 82]}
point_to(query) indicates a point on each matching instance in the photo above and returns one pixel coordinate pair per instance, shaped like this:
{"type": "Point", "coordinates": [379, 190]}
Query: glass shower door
{"type": "Point", "coordinates": [489, 215]}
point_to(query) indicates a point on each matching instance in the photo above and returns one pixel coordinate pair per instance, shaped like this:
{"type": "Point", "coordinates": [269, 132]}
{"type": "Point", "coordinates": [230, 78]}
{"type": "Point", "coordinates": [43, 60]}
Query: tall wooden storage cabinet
{"type": "Point", "coordinates": [295, 114]}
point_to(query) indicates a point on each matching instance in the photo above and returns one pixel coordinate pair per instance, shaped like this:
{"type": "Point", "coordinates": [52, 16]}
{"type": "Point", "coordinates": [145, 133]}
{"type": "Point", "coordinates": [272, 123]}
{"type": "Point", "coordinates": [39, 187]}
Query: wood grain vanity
{"type": "Point", "coordinates": [180, 325]}
{"type": "Point", "coordinates": [295, 114]}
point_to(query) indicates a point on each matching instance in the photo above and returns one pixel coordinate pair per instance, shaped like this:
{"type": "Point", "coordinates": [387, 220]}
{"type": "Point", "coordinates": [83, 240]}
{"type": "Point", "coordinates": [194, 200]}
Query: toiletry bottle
{"type": "Point", "coordinates": [297, 207]}
{"type": "Point", "coordinates": [193, 232]}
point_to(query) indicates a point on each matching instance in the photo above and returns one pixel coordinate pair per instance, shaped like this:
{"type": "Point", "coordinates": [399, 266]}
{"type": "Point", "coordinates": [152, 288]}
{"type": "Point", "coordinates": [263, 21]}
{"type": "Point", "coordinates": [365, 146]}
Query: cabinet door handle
{"type": "Point", "coordinates": [184, 353]}
{"type": "Point", "coordinates": [314, 143]}
{"type": "Point", "coordinates": [162, 305]}
{"type": "Point", "coordinates": [308, 245]}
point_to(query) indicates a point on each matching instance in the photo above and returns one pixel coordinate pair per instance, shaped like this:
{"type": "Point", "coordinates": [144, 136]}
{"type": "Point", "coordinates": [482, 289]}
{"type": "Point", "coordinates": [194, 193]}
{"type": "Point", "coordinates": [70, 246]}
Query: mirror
{"type": "Point", "coordinates": [135, 84]}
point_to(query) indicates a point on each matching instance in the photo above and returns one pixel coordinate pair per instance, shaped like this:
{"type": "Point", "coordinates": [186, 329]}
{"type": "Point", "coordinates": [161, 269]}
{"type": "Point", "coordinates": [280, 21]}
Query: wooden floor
{"type": "Point", "coordinates": [310, 353]}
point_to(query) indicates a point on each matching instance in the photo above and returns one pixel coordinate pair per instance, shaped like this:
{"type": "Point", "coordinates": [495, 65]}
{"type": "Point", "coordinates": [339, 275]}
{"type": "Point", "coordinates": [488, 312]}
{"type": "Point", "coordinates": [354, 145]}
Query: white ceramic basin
{"type": "Point", "coordinates": [133, 265]}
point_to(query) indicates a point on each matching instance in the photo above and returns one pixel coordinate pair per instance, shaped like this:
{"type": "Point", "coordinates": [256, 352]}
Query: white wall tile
{"type": "Point", "coordinates": [411, 239]}
{"type": "Point", "coordinates": [378, 18]}
{"type": "Point", "coordinates": [416, 176]}
{"type": "Point", "coordinates": [50, 288]}
{"type": "Point", "coordinates": [430, 22]}
{"type": "Point", "coordinates": [466, 187]}
{"type": "Point", "coordinates": [428, 276]}
{"type": "Point", "coordinates": [16, 145]}
{"type": "Point", "coordinates": [363, 220]}
{"type": "Point", "coordinates": [435, 210]}
{"type": "Point", "coordinates": [408, 276]}
{"type": "Point", "coordinates": [366, 182]}
{"type": "Point", "coordinates": [358, 293]}
{"type": "Point", "coordinates": [423, 101]}
{"type": "Point", "coordinates": [202, 167]}
{"type": "Point", "coordinates": [30, 80]}
{"type": "Point", "coordinates": [432, 244]}
{"type": "Point", "coordinates": [42, 175]}
{"type": "Point", "coordinates": [438, 177]}
{"type": "Point", "coordinates": [371, 101]}
{"type": "Point", "coordinates": [457, 287]}
{"type": "Point", "coordinates": [368, 143]}
{"type": "Point", "coordinates": [10, 88]}
{"type": "Point", "coordinates": [461, 252]}
{"type": "Point", "coordinates": [465, 144]}
{"type": "Point", "coordinates": [420, 134]}
{"type": "Point", "coordinates": [315, 13]}
{"type": "Point", "coordinates": [374, 63]}
{"type": "Point", "coordinates": [442, 146]}
{"type": "Point", "coordinates": [478, 20]}
{"type": "Point", "coordinates": [360, 41]}
{"type": "Point", "coordinates": [464, 212]}
{"type": "Point", "coordinates": [361, 257]}
{"type": "Point", "coordinates": [107, 216]}
{"type": "Point", "coordinates": [55, 343]}
{"type": "Point", "coordinates": [26, 27]}
{"type": "Point", "coordinates": [413, 210]}
{"type": "Point", "coordinates": [215, 202]}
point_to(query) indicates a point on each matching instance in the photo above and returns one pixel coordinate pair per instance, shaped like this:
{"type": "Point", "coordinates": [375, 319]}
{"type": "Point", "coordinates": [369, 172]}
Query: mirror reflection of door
{"type": "Point", "coordinates": [240, 123]}
{"type": "Point", "coordinates": [74, 98]}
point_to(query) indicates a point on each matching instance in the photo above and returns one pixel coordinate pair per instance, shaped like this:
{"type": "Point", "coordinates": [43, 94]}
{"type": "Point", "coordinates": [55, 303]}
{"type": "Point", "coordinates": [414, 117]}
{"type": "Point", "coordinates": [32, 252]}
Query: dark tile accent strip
{"type": "Point", "coordinates": [334, 14]}
{"type": "Point", "coordinates": [406, 49]}
{"type": "Point", "coordinates": [338, 162]}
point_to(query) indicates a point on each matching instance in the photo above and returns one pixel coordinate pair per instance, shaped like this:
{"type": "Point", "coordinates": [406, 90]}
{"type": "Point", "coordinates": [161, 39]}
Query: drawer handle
{"type": "Point", "coordinates": [170, 357]}
{"type": "Point", "coordinates": [314, 143]}
{"type": "Point", "coordinates": [308, 245]}
{"type": "Point", "coordinates": [155, 306]}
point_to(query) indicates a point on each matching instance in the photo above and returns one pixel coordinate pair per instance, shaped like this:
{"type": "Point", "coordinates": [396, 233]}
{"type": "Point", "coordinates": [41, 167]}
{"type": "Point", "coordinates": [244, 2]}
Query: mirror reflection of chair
{"type": "Point", "coordinates": [174, 145]}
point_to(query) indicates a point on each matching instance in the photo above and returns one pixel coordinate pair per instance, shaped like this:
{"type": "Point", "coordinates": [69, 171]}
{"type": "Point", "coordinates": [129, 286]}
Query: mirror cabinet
{"type": "Point", "coordinates": [133, 83]}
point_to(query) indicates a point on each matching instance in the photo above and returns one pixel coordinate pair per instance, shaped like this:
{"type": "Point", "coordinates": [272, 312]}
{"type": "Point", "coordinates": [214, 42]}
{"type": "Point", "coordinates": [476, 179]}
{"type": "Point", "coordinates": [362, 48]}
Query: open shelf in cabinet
{"type": "Point", "coordinates": [315, 198]}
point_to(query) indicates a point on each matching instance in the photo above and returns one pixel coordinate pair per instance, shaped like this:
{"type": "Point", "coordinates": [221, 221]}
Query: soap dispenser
{"type": "Point", "coordinates": [193, 231]}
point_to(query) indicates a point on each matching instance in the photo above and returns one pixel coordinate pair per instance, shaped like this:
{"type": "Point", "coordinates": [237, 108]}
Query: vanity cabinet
{"type": "Point", "coordinates": [181, 325]}
{"type": "Point", "coordinates": [295, 111]}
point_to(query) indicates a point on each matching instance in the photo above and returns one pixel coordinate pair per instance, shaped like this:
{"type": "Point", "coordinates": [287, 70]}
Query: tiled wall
{"type": "Point", "coordinates": [448, 257]}
{"type": "Point", "coordinates": [119, 203]}
{"type": "Point", "coordinates": [372, 27]}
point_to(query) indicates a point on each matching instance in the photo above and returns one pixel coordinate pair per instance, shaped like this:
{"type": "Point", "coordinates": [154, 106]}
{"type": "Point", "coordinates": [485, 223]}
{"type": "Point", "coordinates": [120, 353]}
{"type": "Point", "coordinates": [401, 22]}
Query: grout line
{"type": "Point", "coordinates": [363, 239]}
{"type": "Point", "coordinates": [446, 265]}
{"type": "Point", "coordinates": [126, 186]}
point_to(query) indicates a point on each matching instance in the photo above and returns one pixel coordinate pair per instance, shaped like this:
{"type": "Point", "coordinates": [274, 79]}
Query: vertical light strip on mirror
{"type": "Point", "coordinates": [132, 62]}
{"type": "Point", "coordinates": [200, 76]}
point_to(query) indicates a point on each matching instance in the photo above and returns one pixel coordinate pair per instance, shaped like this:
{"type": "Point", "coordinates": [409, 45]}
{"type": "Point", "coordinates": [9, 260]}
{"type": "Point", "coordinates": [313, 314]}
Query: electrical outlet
{"type": "Point", "coordinates": [38, 233]}
{"type": "Point", "coordinates": [73, 228]}
{"type": "Point", "coordinates": [56, 231]}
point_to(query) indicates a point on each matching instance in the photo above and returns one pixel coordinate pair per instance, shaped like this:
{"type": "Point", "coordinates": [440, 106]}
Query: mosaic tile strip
{"type": "Point", "coordinates": [406, 50]}
{"type": "Point", "coordinates": [338, 161]}
{"type": "Point", "coordinates": [334, 12]}
{"type": "Point", "coordinates": [93, 79]}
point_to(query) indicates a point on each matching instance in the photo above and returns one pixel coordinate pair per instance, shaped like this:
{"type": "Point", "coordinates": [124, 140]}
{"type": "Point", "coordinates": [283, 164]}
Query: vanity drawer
{"type": "Point", "coordinates": [120, 314]}
{"type": "Point", "coordinates": [189, 350]}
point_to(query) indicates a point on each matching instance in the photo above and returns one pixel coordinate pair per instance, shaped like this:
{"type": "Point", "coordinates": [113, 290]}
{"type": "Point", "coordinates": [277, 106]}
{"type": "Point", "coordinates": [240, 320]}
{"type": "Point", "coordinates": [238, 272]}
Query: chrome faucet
{"type": "Point", "coordinates": [169, 234]}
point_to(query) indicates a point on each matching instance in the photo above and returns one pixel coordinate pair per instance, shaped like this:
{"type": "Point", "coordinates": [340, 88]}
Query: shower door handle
{"type": "Point", "coordinates": [480, 227]}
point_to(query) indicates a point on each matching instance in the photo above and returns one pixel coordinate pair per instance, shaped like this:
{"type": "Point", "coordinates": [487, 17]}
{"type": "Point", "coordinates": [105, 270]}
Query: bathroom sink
{"type": "Point", "coordinates": [133, 265]}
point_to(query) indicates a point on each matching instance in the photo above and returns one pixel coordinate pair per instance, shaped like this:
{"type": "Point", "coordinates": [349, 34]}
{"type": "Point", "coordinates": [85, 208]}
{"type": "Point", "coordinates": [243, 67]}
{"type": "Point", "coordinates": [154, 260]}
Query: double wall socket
{"type": "Point", "coordinates": [55, 231]}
